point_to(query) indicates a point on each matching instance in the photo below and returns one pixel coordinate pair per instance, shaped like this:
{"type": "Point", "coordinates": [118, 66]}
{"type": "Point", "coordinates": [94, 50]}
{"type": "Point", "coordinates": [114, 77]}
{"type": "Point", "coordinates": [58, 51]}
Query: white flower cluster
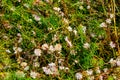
{"type": "Point", "coordinates": [57, 9]}
{"type": "Point", "coordinates": [52, 48]}
{"type": "Point", "coordinates": [51, 69]}
{"type": "Point", "coordinates": [17, 49]}
{"type": "Point", "coordinates": [115, 62]}
{"type": "Point", "coordinates": [69, 28]}
{"type": "Point", "coordinates": [107, 21]}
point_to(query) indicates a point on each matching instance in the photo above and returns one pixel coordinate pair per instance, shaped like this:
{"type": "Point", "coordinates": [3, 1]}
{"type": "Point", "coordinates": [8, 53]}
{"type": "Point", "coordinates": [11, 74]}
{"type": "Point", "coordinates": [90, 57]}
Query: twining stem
{"type": "Point", "coordinates": [115, 28]}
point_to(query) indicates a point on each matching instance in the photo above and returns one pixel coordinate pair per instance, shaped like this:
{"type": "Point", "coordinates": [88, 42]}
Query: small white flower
{"type": "Point", "coordinates": [51, 64]}
{"type": "Point", "coordinates": [60, 61]}
{"type": "Point", "coordinates": [8, 51]}
{"type": "Point", "coordinates": [84, 29]}
{"type": "Point", "coordinates": [61, 67]}
{"type": "Point", "coordinates": [48, 1]}
{"type": "Point", "coordinates": [17, 49]}
{"type": "Point", "coordinates": [36, 64]}
{"type": "Point", "coordinates": [61, 13]}
{"type": "Point", "coordinates": [45, 46]}
{"type": "Point", "coordinates": [55, 38]}
{"type": "Point", "coordinates": [33, 74]}
{"type": "Point", "coordinates": [47, 70]}
{"type": "Point", "coordinates": [108, 21]}
{"type": "Point", "coordinates": [69, 28]}
{"type": "Point", "coordinates": [58, 47]}
{"type": "Point", "coordinates": [100, 77]}
{"type": "Point", "coordinates": [105, 70]}
{"type": "Point", "coordinates": [81, 7]}
{"type": "Point", "coordinates": [91, 78]}
{"type": "Point", "coordinates": [69, 42]}
{"type": "Point", "coordinates": [36, 17]}
{"type": "Point", "coordinates": [112, 45]}
{"type": "Point", "coordinates": [103, 24]}
{"type": "Point", "coordinates": [34, 33]}
{"type": "Point", "coordinates": [65, 20]}
{"type": "Point", "coordinates": [51, 48]}
{"type": "Point", "coordinates": [5, 37]}
{"type": "Point", "coordinates": [112, 62]}
{"type": "Point", "coordinates": [49, 29]}
{"type": "Point", "coordinates": [75, 32]}
{"type": "Point", "coordinates": [78, 76]}
{"type": "Point", "coordinates": [86, 45]}
{"type": "Point", "coordinates": [92, 35]}
{"type": "Point", "coordinates": [57, 9]}
{"type": "Point", "coordinates": [111, 15]}
{"type": "Point", "coordinates": [118, 62]}
{"type": "Point", "coordinates": [88, 7]}
{"type": "Point", "coordinates": [98, 70]}
{"type": "Point", "coordinates": [26, 5]}
{"type": "Point", "coordinates": [23, 64]}
{"type": "Point", "coordinates": [18, 34]}
{"type": "Point", "coordinates": [20, 40]}
{"type": "Point", "coordinates": [37, 52]}
{"type": "Point", "coordinates": [26, 68]}
{"type": "Point", "coordinates": [66, 69]}
{"type": "Point", "coordinates": [19, 0]}
{"type": "Point", "coordinates": [89, 72]}
{"type": "Point", "coordinates": [76, 61]}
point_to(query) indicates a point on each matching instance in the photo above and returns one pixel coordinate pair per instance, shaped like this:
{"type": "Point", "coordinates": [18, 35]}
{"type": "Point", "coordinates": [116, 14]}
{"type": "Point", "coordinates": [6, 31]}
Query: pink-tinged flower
{"type": "Point", "coordinates": [47, 70]}
{"type": "Point", "coordinates": [112, 45]}
{"type": "Point", "coordinates": [36, 17]}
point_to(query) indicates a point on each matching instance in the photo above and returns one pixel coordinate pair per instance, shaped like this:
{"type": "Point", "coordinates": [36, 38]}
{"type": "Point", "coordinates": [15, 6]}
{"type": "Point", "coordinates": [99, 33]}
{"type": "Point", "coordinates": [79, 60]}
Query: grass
{"type": "Point", "coordinates": [79, 27]}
